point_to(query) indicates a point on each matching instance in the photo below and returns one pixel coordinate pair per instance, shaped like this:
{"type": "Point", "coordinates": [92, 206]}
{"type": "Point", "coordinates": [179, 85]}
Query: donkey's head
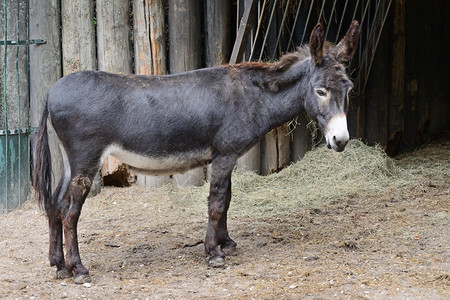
{"type": "Point", "coordinates": [329, 85]}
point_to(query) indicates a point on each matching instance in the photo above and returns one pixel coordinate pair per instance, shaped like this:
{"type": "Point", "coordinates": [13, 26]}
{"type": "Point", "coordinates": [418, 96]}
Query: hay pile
{"type": "Point", "coordinates": [324, 175]}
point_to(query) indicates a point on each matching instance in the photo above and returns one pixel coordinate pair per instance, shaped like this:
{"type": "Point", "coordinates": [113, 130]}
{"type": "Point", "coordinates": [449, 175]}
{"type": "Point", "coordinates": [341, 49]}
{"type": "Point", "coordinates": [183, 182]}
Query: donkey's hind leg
{"type": "Point", "coordinates": [73, 201]}
{"type": "Point", "coordinates": [54, 213]}
{"type": "Point", "coordinates": [56, 254]}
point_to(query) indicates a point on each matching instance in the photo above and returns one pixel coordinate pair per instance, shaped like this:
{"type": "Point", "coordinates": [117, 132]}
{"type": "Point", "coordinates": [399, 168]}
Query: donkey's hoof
{"type": "Point", "coordinates": [229, 248]}
{"type": "Point", "coordinates": [63, 274]}
{"type": "Point", "coordinates": [217, 261]}
{"type": "Point", "coordinates": [82, 278]}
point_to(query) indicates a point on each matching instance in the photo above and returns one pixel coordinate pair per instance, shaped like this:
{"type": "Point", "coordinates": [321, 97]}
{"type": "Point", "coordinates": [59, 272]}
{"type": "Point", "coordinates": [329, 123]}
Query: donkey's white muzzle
{"type": "Point", "coordinates": [337, 135]}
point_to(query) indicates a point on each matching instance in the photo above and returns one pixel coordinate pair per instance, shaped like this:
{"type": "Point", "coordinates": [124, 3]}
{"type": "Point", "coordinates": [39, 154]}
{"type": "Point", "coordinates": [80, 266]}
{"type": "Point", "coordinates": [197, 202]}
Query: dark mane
{"type": "Point", "coordinates": [272, 75]}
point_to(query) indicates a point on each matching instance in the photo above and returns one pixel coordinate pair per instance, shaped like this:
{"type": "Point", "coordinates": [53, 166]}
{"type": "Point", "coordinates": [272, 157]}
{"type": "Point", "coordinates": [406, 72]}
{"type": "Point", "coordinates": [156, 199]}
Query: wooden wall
{"type": "Point", "coordinates": [404, 103]}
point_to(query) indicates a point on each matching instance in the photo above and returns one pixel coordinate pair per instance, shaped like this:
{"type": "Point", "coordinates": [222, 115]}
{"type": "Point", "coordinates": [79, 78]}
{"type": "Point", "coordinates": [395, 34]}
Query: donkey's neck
{"type": "Point", "coordinates": [284, 100]}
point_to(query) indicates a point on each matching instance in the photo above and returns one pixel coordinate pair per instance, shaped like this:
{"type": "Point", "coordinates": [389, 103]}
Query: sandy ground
{"type": "Point", "coordinates": [147, 244]}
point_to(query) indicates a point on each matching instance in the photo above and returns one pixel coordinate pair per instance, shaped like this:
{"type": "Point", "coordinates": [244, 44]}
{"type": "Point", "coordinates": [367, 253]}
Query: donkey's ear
{"type": "Point", "coordinates": [347, 46]}
{"type": "Point", "coordinates": [316, 44]}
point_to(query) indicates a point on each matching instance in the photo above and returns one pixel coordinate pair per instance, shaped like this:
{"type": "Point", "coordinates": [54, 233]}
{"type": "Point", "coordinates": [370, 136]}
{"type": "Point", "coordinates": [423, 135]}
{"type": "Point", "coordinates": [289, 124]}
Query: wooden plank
{"type": "Point", "coordinates": [113, 51]}
{"type": "Point", "coordinates": [218, 32]}
{"type": "Point", "coordinates": [269, 153]}
{"type": "Point", "coordinates": [217, 37]}
{"type": "Point", "coordinates": [251, 160]}
{"type": "Point", "coordinates": [78, 47]}
{"type": "Point", "coordinates": [241, 38]}
{"type": "Point", "coordinates": [113, 36]}
{"type": "Point", "coordinates": [143, 63]}
{"type": "Point", "coordinates": [284, 146]}
{"type": "Point", "coordinates": [302, 139]}
{"type": "Point", "coordinates": [45, 69]}
{"type": "Point", "coordinates": [158, 36]}
{"type": "Point", "coordinates": [185, 54]}
{"type": "Point", "coordinates": [78, 36]}
{"type": "Point", "coordinates": [146, 60]}
{"type": "Point", "coordinates": [397, 98]}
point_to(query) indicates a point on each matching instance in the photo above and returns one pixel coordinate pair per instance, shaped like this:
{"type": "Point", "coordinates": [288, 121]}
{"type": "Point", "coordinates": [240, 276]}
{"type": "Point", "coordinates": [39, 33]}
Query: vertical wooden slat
{"type": "Point", "coordinates": [185, 54]}
{"type": "Point", "coordinates": [250, 161]}
{"type": "Point", "coordinates": [45, 69]}
{"type": "Point", "coordinates": [113, 36]}
{"type": "Point", "coordinates": [397, 98]}
{"type": "Point", "coordinates": [302, 139]}
{"type": "Point", "coordinates": [113, 52]}
{"type": "Point", "coordinates": [78, 46]}
{"type": "Point", "coordinates": [146, 60]}
{"type": "Point", "coordinates": [217, 37]}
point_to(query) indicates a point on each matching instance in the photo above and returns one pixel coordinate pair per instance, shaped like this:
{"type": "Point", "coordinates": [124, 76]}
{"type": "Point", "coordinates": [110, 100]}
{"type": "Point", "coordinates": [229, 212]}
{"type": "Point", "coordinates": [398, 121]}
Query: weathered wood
{"type": "Point", "coordinates": [241, 38]}
{"type": "Point", "coordinates": [146, 60]}
{"type": "Point", "coordinates": [250, 161]}
{"type": "Point", "coordinates": [45, 69]}
{"type": "Point", "coordinates": [113, 49]}
{"type": "Point", "coordinates": [158, 36]}
{"type": "Point", "coordinates": [284, 146]}
{"type": "Point", "coordinates": [217, 37]}
{"type": "Point", "coordinates": [185, 54]}
{"type": "Point", "coordinates": [143, 63]}
{"type": "Point", "coordinates": [396, 105]}
{"type": "Point", "coordinates": [302, 138]}
{"type": "Point", "coordinates": [78, 36]}
{"type": "Point", "coordinates": [113, 36]}
{"type": "Point", "coordinates": [269, 153]}
{"type": "Point", "coordinates": [217, 32]}
{"type": "Point", "coordinates": [78, 47]}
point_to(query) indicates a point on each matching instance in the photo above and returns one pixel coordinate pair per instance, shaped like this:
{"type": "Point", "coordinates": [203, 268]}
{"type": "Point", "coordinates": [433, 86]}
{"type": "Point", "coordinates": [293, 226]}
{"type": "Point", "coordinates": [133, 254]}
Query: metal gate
{"type": "Point", "coordinates": [14, 104]}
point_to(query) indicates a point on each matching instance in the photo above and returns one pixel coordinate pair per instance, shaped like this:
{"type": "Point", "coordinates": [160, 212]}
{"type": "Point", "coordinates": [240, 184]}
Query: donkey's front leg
{"type": "Point", "coordinates": [219, 201]}
{"type": "Point", "coordinates": [76, 194]}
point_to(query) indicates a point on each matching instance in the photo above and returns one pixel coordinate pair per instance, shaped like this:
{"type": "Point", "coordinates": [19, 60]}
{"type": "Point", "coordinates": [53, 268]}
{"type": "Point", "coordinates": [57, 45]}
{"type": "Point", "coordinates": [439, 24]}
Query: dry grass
{"type": "Point", "coordinates": [324, 175]}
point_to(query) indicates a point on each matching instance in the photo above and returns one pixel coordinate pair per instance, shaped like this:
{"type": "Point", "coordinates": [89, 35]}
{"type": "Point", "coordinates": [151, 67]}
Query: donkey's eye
{"type": "Point", "coordinates": [321, 92]}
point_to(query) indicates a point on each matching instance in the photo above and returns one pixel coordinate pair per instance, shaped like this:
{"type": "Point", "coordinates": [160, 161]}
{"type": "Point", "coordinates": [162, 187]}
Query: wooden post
{"type": "Point", "coordinates": [45, 69]}
{"type": "Point", "coordinates": [114, 55]}
{"type": "Point", "coordinates": [302, 139]}
{"type": "Point", "coordinates": [78, 46]}
{"type": "Point", "coordinates": [250, 161]}
{"type": "Point", "coordinates": [217, 37]}
{"type": "Point", "coordinates": [396, 106]}
{"type": "Point", "coordinates": [185, 54]}
{"type": "Point", "coordinates": [148, 27]}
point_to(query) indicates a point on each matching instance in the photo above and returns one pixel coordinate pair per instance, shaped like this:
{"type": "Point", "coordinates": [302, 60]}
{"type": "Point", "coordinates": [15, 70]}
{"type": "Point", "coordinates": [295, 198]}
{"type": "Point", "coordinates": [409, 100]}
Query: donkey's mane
{"type": "Point", "coordinates": [285, 61]}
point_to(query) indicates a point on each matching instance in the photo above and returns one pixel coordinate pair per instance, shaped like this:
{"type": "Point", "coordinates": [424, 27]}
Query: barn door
{"type": "Point", "coordinates": [14, 104]}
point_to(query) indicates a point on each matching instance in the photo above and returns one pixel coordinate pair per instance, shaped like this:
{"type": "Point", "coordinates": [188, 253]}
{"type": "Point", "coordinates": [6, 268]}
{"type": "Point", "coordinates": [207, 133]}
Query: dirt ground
{"type": "Point", "coordinates": [147, 244]}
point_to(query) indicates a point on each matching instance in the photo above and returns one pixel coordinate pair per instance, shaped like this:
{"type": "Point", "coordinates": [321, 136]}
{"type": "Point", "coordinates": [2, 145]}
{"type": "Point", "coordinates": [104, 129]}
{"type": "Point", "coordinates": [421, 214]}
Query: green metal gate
{"type": "Point", "coordinates": [14, 104]}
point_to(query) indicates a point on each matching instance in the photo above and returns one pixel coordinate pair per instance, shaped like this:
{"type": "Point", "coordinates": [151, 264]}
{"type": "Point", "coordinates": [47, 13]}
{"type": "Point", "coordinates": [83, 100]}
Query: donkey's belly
{"type": "Point", "coordinates": [173, 163]}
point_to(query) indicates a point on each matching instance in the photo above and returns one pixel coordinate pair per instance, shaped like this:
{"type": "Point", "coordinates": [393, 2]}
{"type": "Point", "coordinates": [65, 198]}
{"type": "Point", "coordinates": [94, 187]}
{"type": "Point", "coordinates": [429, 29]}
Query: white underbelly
{"type": "Point", "coordinates": [174, 163]}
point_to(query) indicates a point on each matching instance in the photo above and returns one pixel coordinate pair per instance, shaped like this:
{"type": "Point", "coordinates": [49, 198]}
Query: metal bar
{"type": "Point", "coordinates": [329, 20]}
{"type": "Point", "coordinates": [28, 128]}
{"type": "Point", "coordinates": [321, 10]}
{"type": "Point", "coordinates": [307, 20]}
{"type": "Point", "coordinates": [267, 32]}
{"type": "Point", "coordinates": [5, 31]}
{"type": "Point", "coordinates": [18, 103]}
{"type": "Point", "coordinates": [342, 20]}
{"type": "Point", "coordinates": [293, 26]}
{"type": "Point", "coordinates": [281, 27]}
{"type": "Point", "coordinates": [242, 32]}
{"type": "Point", "coordinates": [257, 30]}
{"type": "Point", "coordinates": [23, 42]}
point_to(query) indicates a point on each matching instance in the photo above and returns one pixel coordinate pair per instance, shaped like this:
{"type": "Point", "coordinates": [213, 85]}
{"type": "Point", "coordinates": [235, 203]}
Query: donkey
{"type": "Point", "coordinates": [173, 123]}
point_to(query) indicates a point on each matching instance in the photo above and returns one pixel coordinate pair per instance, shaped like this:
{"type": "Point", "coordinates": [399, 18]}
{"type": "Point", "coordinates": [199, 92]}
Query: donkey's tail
{"type": "Point", "coordinates": [42, 175]}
